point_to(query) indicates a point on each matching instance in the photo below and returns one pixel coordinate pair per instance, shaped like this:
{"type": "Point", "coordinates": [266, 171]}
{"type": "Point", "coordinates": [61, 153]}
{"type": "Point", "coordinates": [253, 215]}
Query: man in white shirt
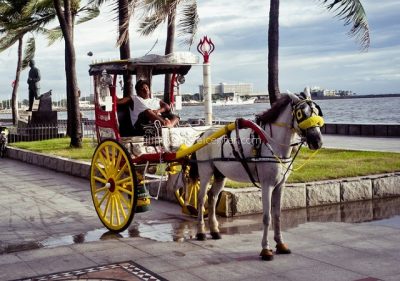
{"type": "Point", "coordinates": [147, 110]}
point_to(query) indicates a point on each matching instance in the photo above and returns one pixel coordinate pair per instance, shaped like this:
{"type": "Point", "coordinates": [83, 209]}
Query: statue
{"type": "Point", "coordinates": [33, 83]}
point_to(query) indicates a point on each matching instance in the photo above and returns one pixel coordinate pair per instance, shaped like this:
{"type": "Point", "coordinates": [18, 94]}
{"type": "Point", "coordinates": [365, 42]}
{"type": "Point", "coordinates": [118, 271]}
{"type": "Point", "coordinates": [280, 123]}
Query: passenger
{"type": "Point", "coordinates": [147, 110]}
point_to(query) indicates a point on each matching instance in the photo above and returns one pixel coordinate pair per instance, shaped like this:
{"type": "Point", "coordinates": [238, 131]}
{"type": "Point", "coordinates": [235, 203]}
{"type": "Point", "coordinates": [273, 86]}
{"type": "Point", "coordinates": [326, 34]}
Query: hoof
{"type": "Point", "coordinates": [282, 249]}
{"type": "Point", "coordinates": [215, 235]}
{"type": "Point", "coordinates": [201, 236]}
{"type": "Point", "coordinates": [267, 255]}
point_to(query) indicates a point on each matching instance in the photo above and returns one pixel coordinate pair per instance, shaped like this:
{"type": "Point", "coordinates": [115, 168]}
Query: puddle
{"type": "Point", "coordinates": [178, 228]}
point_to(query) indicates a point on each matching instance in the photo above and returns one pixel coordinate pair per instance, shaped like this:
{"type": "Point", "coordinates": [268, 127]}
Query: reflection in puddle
{"type": "Point", "coordinates": [180, 228]}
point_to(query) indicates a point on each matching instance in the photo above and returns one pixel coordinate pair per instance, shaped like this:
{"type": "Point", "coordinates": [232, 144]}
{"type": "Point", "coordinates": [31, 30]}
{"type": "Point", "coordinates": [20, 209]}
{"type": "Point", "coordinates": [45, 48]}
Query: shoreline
{"type": "Point", "coordinates": [357, 97]}
{"type": "Point", "coordinates": [8, 111]}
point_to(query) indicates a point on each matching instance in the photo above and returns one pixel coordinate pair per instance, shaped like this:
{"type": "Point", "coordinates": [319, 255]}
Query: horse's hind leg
{"type": "Point", "coordinates": [281, 247]}
{"type": "Point", "coordinates": [205, 173]}
{"type": "Point", "coordinates": [266, 252]}
{"type": "Point", "coordinates": [219, 182]}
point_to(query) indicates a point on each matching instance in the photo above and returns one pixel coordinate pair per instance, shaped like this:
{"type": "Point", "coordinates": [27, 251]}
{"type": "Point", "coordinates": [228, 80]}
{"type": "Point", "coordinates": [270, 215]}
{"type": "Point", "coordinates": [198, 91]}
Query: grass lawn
{"type": "Point", "coordinates": [326, 164]}
{"type": "Point", "coordinates": [60, 147]}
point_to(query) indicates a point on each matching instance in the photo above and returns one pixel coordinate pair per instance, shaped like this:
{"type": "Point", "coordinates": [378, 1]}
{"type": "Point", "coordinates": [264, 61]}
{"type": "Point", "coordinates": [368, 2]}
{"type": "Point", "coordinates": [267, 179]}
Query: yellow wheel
{"type": "Point", "coordinates": [187, 195]}
{"type": "Point", "coordinates": [113, 185]}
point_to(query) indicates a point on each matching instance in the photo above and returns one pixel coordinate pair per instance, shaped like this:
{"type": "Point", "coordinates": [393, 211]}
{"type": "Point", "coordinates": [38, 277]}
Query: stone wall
{"type": "Point", "coordinates": [248, 200]}
{"type": "Point", "coordinates": [372, 130]}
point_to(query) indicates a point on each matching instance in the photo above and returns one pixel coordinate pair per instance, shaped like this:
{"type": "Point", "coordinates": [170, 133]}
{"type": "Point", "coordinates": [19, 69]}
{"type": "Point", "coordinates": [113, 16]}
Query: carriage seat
{"type": "Point", "coordinates": [152, 136]}
{"type": "Point", "coordinates": [126, 128]}
{"type": "Point", "coordinates": [174, 138]}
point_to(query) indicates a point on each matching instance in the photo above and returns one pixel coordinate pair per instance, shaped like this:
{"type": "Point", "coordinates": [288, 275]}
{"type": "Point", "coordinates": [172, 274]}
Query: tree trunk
{"type": "Point", "coordinates": [273, 51]}
{"type": "Point", "coordinates": [74, 114]}
{"type": "Point", "coordinates": [124, 49]}
{"type": "Point", "coordinates": [169, 48]}
{"type": "Point", "coordinates": [74, 125]}
{"type": "Point", "coordinates": [14, 96]}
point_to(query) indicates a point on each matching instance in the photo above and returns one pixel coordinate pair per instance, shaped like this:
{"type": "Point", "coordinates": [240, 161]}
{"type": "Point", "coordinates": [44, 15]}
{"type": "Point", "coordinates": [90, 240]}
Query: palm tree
{"type": "Point", "coordinates": [351, 11]}
{"type": "Point", "coordinates": [166, 10]}
{"type": "Point", "coordinates": [124, 10]}
{"type": "Point", "coordinates": [66, 11]}
{"type": "Point", "coordinates": [14, 25]}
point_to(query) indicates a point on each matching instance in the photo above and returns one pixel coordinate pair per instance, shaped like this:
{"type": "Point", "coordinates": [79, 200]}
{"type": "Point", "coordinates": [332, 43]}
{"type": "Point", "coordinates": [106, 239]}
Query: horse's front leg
{"type": "Point", "coordinates": [213, 194]}
{"type": "Point", "coordinates": [281, 247]}
{"type": "Point", "coordinates": [266, 252]}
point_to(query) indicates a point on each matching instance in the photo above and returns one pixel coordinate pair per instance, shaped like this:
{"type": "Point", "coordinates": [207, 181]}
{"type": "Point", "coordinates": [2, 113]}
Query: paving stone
{"type": "Point", "coordinates": [44, 253]}
{"type": "Point", "coordinates": [9, 259]}
{"type": "Point", "coordinates": [321, 271]}
{"type": "Point", "coordinates": [16, 271]}
{"type": "Point", "coordinates": [115, 254]}
{"type": "Point", "coordinates": [61, 263]}
{"type": "Point", "coordinates": [179, 275]}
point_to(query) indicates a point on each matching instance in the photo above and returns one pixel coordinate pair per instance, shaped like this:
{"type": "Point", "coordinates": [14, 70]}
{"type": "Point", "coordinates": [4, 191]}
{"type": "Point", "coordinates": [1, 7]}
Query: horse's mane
{"type": "Point", "coordinates": [272, 114]}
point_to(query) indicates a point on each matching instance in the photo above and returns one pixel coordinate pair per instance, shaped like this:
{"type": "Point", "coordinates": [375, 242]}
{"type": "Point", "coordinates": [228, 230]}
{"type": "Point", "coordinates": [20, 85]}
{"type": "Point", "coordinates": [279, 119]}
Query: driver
{"type": "Point", "coordinates": [146, 110]}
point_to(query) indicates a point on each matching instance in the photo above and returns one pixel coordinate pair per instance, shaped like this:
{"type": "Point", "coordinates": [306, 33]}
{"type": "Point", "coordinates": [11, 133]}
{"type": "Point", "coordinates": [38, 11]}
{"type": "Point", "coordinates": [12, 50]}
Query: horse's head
{"type": "Point", "coordinates": [307, 117]}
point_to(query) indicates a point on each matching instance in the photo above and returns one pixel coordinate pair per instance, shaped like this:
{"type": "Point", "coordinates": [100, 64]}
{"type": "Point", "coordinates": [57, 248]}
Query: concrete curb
{"type": "Point", "coordinates": [56, 163]}
{"type": "Point", "coordinates": [243, 201]}
{"type": "Point", "coordinates": [248, 200]}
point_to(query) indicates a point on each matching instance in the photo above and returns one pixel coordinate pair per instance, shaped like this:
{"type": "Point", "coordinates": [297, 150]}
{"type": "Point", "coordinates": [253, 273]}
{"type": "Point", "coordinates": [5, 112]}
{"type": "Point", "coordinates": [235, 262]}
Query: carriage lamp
{"type": "Point", "coordinates": [176, 100]}
{"type": "Point", "coordinates": [205, 47]}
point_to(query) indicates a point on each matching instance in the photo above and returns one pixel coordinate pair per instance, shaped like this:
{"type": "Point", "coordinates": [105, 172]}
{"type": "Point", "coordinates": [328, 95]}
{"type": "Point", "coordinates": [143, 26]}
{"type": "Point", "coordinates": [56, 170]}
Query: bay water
{"type": "Point", "coordinates": [385, 110]}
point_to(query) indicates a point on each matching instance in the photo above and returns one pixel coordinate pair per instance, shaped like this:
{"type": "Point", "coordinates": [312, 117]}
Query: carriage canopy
{"type": "Point", "coordinates": [179, 63]}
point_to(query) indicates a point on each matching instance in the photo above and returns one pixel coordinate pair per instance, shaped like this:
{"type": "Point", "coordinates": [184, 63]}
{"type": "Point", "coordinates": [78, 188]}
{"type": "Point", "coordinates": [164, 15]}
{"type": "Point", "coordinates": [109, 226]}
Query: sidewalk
{"type": "Point", "coordinates": [362, 143]}
{"type": "Point", "coordinates": [321, 251]}
{"type": "Point", "coordinates": [49, 227]}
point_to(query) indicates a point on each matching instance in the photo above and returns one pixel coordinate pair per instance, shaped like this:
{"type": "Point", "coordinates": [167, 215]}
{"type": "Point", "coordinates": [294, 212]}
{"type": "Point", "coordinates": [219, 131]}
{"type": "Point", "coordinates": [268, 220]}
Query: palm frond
{"type": "Point", "coordinates": [353, 13]}
{"type": "Point", "coordinates": [158, 6]}
{"type": "Point", "coordinates": [38, 8]}
{"type": "Point", "coordinates": [90, 13]}
{"type": "Point", "coordinates": [29, 52]}
{"type": "Point", "coordinates": [97, 3]}
{"type": "Point", "coordinates": [149, 24]}
{"type": "Point", "coordinates": [53, 35]}
{"type": "Point", "coordinates": [8, 40]}
{"type": "Point", "coordinates": [188, 23]}
{"type": "Point", "coordinates": [123, 26]}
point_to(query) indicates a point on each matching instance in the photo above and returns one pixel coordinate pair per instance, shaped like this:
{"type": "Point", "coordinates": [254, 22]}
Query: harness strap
{"type": "Point", "coordinates": [240, 155]}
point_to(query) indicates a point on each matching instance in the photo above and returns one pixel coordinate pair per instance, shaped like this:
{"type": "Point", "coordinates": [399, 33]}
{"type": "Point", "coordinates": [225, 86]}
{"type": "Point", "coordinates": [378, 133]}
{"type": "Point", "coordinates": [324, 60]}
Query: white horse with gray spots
{"type": "Point", "coordinates": [261, 154]}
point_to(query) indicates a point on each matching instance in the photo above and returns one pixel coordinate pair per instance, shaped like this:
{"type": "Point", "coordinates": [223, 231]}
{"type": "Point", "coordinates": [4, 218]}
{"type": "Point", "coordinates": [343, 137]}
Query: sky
{"type": "Point", "coordinates": [315, 49]}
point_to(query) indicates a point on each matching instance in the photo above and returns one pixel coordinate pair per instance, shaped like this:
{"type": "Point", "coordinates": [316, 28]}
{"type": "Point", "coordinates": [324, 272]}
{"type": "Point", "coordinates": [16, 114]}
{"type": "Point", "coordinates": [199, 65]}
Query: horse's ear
{"type": "Point", "coordinates": [306, 94]}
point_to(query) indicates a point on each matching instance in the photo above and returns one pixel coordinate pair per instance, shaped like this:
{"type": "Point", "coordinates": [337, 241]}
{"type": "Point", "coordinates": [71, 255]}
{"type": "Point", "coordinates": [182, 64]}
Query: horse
{"type": "Point", "coordinates": [263, 158]}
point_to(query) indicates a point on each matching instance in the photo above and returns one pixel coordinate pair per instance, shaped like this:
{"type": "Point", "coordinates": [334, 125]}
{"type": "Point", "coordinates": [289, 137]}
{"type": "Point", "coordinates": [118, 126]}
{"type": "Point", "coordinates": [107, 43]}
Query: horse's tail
{"type": "Point", "coordinates": [193, 168]}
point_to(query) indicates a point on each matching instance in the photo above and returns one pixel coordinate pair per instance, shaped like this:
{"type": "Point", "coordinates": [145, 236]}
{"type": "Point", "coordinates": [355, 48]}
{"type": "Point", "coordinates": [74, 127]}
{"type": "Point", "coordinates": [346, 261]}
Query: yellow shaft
{"type": "Point", "coordinates": [203, 142]}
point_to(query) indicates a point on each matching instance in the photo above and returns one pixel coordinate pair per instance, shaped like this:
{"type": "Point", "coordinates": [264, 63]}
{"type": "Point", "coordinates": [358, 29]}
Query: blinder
{"type": "Point", "coordinates": [308, 114]}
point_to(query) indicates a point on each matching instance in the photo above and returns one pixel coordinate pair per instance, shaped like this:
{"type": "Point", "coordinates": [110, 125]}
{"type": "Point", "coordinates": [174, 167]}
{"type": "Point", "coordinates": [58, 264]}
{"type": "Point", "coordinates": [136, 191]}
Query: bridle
{"type": "Point", "coordinates": [305, 120]}
{"type": "Point", "coordinates": [302, 119]}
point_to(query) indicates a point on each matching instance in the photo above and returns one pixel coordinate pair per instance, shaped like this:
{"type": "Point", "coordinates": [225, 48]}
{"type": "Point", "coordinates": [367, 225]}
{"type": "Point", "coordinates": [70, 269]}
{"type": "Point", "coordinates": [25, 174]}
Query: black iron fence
{"type": "Point", "coordinates": [39, 132]}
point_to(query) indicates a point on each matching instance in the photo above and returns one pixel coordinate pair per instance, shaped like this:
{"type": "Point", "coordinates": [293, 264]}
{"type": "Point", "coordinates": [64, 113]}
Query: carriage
{"type": "Point", "coordinates": [123, 162]}
{"type": "Point", "coordinates": [241, 150]}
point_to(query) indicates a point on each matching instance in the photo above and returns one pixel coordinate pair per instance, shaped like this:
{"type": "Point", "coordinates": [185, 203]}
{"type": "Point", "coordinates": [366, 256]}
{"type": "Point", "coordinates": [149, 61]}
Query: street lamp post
{"type": "Point", "coordinates": [206, 47]}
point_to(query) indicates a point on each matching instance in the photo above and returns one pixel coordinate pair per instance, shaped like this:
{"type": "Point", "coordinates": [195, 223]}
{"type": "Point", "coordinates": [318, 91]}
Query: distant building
{"type": "Point", "coordinates": [225, 89]}
{"type": "Point", "coordinates": [317, 92]}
